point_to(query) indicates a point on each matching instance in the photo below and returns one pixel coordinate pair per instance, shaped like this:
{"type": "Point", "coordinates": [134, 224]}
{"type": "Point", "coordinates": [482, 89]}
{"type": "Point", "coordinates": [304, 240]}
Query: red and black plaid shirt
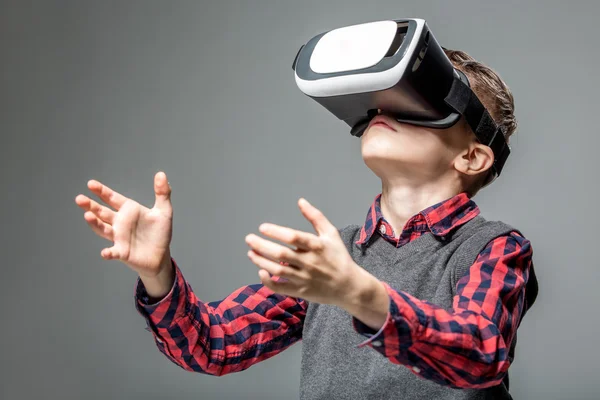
{"type": "Point", "coordinates": [468, 347]}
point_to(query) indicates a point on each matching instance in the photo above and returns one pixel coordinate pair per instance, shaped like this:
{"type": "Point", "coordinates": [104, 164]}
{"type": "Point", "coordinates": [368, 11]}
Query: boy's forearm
{"type": "Point", "coordinates": [183, 325]}
{"type": "Point", "coordinates": [159, 286]}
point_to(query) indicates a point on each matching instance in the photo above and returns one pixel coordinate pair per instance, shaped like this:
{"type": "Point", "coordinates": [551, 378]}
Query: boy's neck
{"type": "Point", "coordinates": [399, 203]}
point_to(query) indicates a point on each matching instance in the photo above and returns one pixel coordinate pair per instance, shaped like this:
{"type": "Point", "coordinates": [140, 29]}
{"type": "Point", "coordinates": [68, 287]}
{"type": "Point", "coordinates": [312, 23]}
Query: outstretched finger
{"type": "Point", "coordinates": [104, 213]}
{"type": "Point", "coordinates": [301, 240]}
{"type": "Point", "coordinates": [109, 196]}
{"type": "Point", "coordinates": [101, 228]}
{"type": "Point", "coordinates": [315, 217]}
{"type": "Point", "coordinates": [278, 284]}
{"type": "Point", "coordinates": [162, 190]}
{"type": "Point", "coordinates": [278, 269]}
{"type": "Point", "coordinates": [110, 253]}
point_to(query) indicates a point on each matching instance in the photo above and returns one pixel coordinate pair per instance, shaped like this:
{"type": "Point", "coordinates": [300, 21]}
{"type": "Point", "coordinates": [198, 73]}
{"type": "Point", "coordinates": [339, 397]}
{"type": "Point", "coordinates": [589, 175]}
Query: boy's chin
{"type": "Point", "coordinates": [387, 160]}
{"type": "Point", "coordinates": [383, 166]}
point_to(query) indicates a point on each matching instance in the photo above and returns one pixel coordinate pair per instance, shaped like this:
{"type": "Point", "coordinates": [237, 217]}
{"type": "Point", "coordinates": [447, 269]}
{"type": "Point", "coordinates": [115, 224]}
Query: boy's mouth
{"type": "Point", "coordinates": [381, 120]}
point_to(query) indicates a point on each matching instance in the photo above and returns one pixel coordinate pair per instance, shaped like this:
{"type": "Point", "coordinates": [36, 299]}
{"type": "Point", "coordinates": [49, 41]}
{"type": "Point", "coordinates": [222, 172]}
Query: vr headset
{"type": "Point", "coordinates": [397, 67]}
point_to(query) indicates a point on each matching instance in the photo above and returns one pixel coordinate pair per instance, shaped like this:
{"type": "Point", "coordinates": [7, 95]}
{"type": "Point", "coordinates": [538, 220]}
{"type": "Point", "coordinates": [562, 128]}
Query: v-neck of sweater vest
{"type": "Point", "coordinates": [380, 248]}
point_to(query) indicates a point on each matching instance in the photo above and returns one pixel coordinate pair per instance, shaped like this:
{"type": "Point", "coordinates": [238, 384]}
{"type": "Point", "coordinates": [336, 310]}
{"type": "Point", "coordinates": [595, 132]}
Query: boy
{"type": "Point", "coordinates": [422, 301]}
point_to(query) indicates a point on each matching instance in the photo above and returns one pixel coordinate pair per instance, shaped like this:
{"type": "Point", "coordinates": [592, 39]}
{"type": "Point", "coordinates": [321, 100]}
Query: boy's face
{"type": "Point", "coordinates": [423, 155]}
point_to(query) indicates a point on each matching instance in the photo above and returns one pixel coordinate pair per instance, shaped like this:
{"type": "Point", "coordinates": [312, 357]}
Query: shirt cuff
{"type": "Point", "coordinates": [163, 314]}
{"type": "Point", "coordinates": [395, 332]}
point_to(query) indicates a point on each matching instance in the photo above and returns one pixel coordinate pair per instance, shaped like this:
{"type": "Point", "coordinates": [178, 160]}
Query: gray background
{"type": "Point", "coordinates": [116, 91]}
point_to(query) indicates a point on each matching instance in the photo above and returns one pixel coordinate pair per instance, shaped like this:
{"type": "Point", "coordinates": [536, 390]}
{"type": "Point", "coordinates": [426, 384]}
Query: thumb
{"type": "Point", "coordinates": [162, 190]}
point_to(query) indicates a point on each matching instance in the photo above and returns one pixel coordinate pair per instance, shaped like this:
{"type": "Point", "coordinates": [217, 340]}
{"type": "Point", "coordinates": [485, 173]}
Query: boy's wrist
{"type": "Point", "coordinates": [158, 286]}
{"type": "Point", "coordinates": [368, 301]}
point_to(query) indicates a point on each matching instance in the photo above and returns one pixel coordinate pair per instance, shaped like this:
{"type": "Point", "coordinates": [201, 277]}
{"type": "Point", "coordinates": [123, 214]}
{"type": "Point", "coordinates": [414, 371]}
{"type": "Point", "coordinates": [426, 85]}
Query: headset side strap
{"type": "Point", "coordinates": [462, 99]}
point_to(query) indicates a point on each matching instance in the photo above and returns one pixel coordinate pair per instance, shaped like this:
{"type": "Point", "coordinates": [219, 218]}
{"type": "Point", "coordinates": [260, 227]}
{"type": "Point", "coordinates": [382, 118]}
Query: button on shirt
{"type": "Point", "coordinates": [466, 347]}
{"type": "Point", "coordinates": [383, 230]}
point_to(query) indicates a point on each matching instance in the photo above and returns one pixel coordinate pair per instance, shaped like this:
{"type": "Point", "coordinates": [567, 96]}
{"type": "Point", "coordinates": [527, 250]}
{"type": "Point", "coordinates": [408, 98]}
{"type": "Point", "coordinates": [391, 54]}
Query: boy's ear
{"type": "Point", "coordinates": [475, 159]}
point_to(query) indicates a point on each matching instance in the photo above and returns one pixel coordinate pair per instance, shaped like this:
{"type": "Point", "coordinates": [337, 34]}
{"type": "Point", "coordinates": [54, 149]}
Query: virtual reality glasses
{"type": "Point", "coordinates": [396, 66]}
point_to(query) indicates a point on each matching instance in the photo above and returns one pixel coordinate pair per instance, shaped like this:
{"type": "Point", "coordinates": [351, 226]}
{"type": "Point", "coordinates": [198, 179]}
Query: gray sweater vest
{"type": "Point", "coordinates": [427, 268]}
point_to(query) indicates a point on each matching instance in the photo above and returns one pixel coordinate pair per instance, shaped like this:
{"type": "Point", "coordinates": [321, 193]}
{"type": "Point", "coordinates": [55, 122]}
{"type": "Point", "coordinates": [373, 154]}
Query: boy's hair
{"type": "Point", "coordinates": [493, 93]}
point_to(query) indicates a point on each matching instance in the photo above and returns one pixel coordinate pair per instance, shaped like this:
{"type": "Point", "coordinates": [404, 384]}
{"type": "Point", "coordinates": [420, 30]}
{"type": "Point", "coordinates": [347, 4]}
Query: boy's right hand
{"type": "Point", "coordinates": [141, 236]}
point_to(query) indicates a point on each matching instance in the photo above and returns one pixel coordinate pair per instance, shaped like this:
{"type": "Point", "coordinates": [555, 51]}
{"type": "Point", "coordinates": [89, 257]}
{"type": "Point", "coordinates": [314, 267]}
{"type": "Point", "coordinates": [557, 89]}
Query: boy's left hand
{"type": "Point", "coordinates": [318, 268]}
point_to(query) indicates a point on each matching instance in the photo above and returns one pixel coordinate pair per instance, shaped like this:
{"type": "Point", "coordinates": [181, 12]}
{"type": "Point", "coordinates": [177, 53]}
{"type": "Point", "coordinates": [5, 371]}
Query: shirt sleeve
{"type": "Point", "coordinates": [467, 347]}
{"type": "Point", "coordinates": [250, 325]}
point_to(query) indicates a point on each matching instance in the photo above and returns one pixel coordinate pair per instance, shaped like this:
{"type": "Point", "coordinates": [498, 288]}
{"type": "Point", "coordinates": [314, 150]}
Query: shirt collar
{"type": "Point", "coordinates": [441, 218]}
